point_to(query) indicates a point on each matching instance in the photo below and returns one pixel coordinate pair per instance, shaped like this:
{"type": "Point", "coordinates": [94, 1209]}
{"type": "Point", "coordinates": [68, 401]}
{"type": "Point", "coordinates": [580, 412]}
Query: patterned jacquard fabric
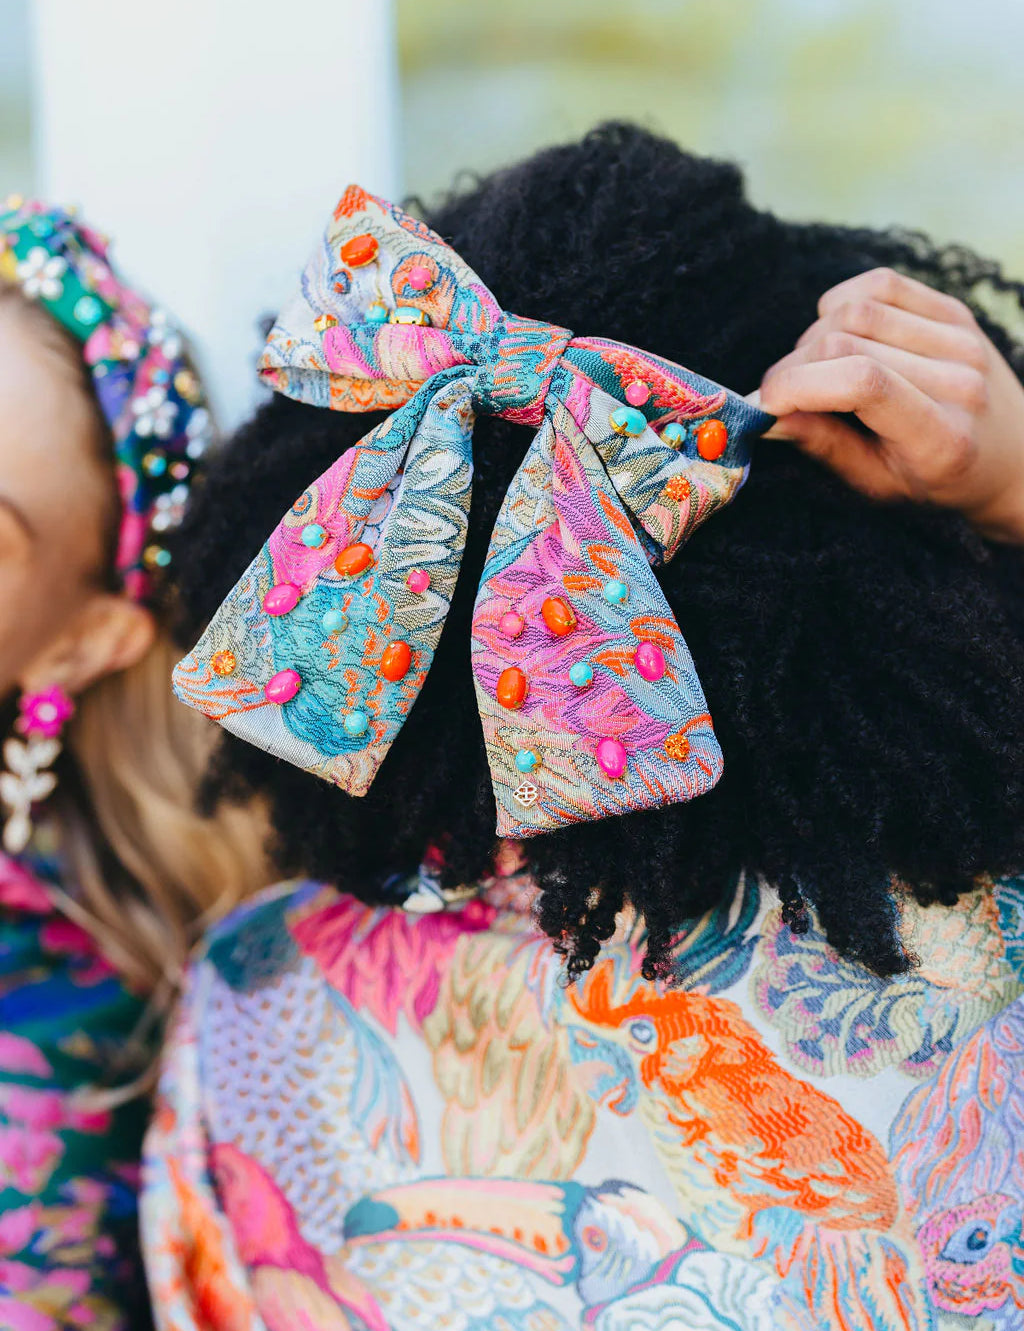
{"type": "Point", "coordinates": [588, 694]}
{"type": "Point", "coordinates": [144, 380]}
{"type": "Point", "coordinates": [393, 1121]}
{"type": "Point", "coordinates": [69, 1257]}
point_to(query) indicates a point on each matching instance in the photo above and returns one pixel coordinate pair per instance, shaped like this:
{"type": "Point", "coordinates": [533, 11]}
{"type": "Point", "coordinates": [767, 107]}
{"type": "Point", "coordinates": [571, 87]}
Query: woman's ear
{"type": "Point", "coordinates": [109, 633]}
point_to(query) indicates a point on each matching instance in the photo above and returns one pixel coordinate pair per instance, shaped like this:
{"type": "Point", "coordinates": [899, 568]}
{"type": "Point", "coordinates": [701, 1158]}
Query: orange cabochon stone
{"type": "Point", "coordinates": [512, 688]}
{"type": "Point", "coordinates": [712, 440]}
{"type": "Point", "coordinates": [359, 251]}
{"type": "Point", "coordinates": [353, 559]}
{"type": "Point", "coordinates": [223, 663]}
{"type": "Point", "coordinates": [678, 747]}
{"type": "Point", "coordinates": [558, 616]}
{"type": "Point", "coordinates": [395, 663]}
{"type": "Point", "coordinates": [677, 488]}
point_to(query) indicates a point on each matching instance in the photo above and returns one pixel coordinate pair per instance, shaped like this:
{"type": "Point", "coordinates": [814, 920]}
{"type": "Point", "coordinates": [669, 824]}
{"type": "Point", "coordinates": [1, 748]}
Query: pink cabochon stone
{"type": "Point", "coordinates": [650, 661]}
{"type": "Point", "coordinates": [282, 598]}
{"type": "Point", "coordinates": [637, 393]}
{"type": "Point", "coordinates": [611, 758]}
{"type": "Point", "coordinates": [420, 277]}
{"type": "Point", "coordinates": [283, 686]}
{"type": "Point", "coordinates": [418, 581]}
{"type": "Point", "coordinates": [511, 624]}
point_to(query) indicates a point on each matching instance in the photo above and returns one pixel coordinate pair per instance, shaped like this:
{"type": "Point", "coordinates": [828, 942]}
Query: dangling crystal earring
{"type": "Point", "coordinates": [42, 716]}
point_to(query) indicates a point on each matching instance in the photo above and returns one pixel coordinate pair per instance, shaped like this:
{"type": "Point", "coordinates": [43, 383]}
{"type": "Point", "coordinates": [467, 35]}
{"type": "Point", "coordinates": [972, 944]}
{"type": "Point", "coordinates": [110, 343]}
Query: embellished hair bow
{"type": "Point", "coordinates": [145, 384]}
{"type": "Point", "coordinates": [587, 692]}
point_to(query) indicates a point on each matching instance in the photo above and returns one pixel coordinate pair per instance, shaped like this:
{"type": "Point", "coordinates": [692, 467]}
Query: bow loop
{"type": "Point", "coordinates": [384, 305]}
{"type": "Point", "coordinates": [588, 696]}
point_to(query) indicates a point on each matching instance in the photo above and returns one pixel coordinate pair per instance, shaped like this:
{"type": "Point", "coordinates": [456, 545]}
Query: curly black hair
{"type": "Point", "coordinates": [863, 663]}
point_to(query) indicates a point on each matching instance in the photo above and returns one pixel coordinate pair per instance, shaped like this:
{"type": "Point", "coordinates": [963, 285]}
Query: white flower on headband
{"type": "Point", "coordinates": [198, 431]}
{"type": "Point", "coordinates": [40, 274]}
{"type": "Point", "coordinates": [162, 335]}
{"type": "Point", "coordinates": [155, 415]}
{"type": "Point", "coordinates": [169, 509]}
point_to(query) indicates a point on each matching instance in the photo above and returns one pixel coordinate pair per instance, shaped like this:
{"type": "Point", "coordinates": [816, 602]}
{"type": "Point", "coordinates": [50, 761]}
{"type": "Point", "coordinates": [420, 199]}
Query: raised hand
{"type": "Point", "coordinates": [941, 410]}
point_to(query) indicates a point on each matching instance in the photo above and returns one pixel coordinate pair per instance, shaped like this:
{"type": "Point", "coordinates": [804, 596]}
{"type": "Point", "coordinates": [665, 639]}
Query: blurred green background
{"type": "Point", "coordinates": [15, 128]}
{"type": "Point", "coordinates": [868, 111]}
{"type": "Point", "coordinates": [872, 111]}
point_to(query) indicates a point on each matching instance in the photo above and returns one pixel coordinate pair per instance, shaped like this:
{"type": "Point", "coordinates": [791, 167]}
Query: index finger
{"type": "Point", "coordinates": [906, 293]}
{"type": "Point", "coordinates": [915, 428]}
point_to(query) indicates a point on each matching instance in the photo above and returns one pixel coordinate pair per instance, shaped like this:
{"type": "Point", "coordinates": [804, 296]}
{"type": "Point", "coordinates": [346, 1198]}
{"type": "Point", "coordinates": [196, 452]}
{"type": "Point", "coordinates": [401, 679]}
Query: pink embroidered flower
{"type": "Point", "coordinates": [34, 1108]}
{"type": "Point", "coordinates": [20, 1317]}
{"type": "Point", "coordinates": [49, 1110]}
{"type": "Point", "coordinates": [94, 1121]}
{"type": "Point", "coordinates": [46, 1300]}
{"type": "Point", "coordinates": [89, 1193]}
{"type": "Point", "coordinates": [45, 713]}
{"type": "Point", "coordinates": [134, 525]}
{"type": "Point", "coordinates": [17, 1226]}
{"type": "Point", "coordinates": [17, 1276]}
{"type": "Point", "coordinates": [19, 890]}
{"type": "Point", "coordinates": [28, 1158]}
{"type": "Point", "coordinates": [17, 1054]}
{"type": "Point", "coordinates": [62, 936]}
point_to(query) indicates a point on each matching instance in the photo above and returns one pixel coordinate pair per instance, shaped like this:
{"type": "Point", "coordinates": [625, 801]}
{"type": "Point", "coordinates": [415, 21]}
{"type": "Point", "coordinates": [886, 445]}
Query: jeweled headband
{"type": "Point", "coordinates": [145, 384]}
{"type": "Point", "coordinates": [588, 695]}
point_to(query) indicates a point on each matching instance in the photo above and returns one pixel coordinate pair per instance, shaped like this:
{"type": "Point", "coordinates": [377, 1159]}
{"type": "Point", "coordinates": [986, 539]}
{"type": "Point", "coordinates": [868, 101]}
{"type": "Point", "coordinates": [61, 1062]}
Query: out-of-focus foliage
{"type": "Point", "coordinates": [15, 157]}
{"type": "Point", "coordinates": [872, 111]}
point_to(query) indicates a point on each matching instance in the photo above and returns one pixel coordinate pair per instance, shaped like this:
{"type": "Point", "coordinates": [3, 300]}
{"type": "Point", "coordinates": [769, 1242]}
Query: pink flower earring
{"type": "Point", "coordinates": [42, 716]}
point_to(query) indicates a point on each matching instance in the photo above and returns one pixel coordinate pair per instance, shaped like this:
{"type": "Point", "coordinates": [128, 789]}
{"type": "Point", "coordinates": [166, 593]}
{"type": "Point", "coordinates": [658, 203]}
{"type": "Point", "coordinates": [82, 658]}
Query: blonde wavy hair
{"type": "Point", "coordinates": [147, 870]}
{"type": "Point", "coordinates": [141, 757]}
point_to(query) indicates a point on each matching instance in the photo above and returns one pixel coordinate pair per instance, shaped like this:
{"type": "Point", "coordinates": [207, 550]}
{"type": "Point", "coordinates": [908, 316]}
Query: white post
{"type": "Point", "coordinates": [211, 138]}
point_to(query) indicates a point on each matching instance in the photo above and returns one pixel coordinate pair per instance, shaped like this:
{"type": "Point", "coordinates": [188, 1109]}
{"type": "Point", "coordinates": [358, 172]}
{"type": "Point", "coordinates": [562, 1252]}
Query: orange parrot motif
{"type": "Point", "coordinates": [723, 1112]}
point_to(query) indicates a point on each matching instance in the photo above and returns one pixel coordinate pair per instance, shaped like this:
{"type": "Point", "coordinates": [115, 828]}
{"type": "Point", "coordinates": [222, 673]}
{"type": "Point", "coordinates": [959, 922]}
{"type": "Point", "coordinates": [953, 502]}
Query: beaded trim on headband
{"type": "Point", "coordinates": [147, 388]}
{"type": "Point", "coordinates": [588, 695]}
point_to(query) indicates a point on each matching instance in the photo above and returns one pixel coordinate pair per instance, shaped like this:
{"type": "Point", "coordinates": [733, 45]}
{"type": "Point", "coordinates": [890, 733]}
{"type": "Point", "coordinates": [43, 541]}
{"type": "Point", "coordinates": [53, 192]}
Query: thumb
{"type": "Point", "coordinates": [803, 427]}
{"type": "Point", "coordinates": [778, 430]}
{"type": "Point", "coordinates": [816, 432]}
{"type": "Point", "coordinates": [848, 452]}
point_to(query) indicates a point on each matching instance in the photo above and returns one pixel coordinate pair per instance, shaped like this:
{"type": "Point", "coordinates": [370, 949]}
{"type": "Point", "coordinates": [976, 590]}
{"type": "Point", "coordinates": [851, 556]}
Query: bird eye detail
{"type": "Point", "coordinates": [595, 1238]}
{"type": "Point", "coordinates": [643, 1032]}
{"type": "Point", "coordinates": [971, 1242]}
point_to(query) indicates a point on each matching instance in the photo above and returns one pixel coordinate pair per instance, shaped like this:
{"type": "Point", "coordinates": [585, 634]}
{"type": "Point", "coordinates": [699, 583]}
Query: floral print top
{"type": "Point", "coordinates": [391, 1119]}
{"type": "Point", "coordinates": [68, 1162]}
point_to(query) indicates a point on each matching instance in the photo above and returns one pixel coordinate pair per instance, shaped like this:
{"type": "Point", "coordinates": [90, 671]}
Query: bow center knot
{"type": "Point", "coordinates": [513, 376]}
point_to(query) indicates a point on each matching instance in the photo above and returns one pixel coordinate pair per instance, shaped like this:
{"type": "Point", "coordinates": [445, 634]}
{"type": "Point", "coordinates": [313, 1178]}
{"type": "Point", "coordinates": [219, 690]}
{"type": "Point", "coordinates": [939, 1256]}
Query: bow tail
{"type": "Point", "coordinates": [671, 491]}
{"type": "Point", "coordinates": [320, 650]}
{"type": "Point", "coordinates": [612, 717]}
{"type": "Point", "coordinates": [672, 480]}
